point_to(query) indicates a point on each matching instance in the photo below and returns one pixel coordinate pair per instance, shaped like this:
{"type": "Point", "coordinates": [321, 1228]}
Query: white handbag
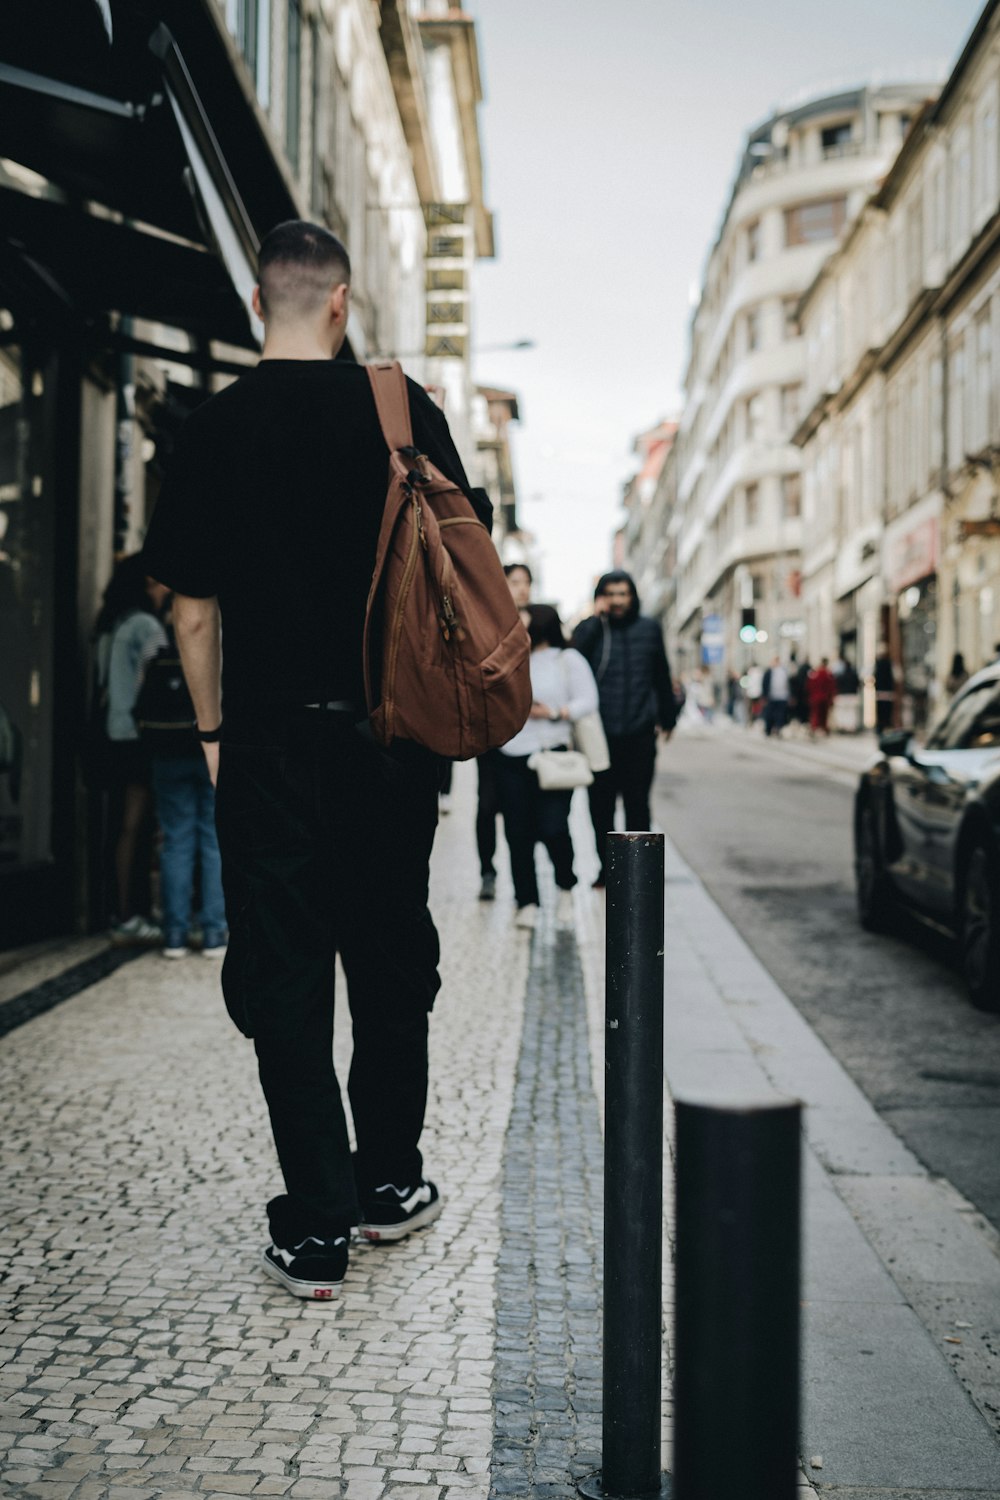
{"type": "Point", "coordinates": [560, 770]}
{"type": "Point", "coordinates": [589, 737]}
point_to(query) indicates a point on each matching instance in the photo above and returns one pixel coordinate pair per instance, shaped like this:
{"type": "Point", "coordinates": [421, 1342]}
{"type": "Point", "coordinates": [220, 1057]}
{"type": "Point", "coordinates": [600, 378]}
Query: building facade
{"type": "Point", "coordinates": [737, 506]}
{"type": "Point", "coordinates": [146, 147]}
{"type": "Point", "coordinates": [901, 429]}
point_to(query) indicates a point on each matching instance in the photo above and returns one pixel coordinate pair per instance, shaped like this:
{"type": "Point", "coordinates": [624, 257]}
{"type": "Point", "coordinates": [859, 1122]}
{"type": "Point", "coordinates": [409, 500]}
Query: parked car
{"type": "Point", "coordinates": [927, 831]}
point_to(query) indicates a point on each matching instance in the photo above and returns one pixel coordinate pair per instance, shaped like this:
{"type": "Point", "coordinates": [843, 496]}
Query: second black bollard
{"type": "Point", "coordinates": [736, 1380]}
{"type": "Point", "coordinates": [633, 1171]}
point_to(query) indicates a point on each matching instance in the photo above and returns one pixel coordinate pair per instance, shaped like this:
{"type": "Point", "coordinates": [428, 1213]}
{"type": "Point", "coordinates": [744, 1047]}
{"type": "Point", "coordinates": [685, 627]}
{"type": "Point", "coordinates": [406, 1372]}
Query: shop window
{"type": "Point", "coordinates": [812, 223]}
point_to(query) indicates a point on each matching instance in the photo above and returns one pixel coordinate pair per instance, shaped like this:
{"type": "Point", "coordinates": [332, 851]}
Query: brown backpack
{"type": "Point", "coordinates": [445, 652]}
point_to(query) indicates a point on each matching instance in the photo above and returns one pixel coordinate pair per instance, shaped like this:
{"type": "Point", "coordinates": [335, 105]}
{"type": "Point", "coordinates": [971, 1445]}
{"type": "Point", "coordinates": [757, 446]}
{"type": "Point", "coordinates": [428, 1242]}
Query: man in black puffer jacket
{"type": "Point", "coordinates": [627, 656]}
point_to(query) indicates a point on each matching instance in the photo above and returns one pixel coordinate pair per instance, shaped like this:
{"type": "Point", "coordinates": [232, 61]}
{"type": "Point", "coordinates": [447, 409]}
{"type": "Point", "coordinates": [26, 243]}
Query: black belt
{"type": "Point", "coordinates": [336, 706]}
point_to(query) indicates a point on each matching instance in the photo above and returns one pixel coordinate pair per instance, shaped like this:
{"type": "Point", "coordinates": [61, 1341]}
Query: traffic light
{"type": "Point", "coordinates": [748, 624]}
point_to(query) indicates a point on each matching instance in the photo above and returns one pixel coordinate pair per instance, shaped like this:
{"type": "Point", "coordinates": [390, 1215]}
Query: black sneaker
{"type": "Point", "coordinates": [313, 1268]}
{"type": "Point", "coordinates": [392, 1212]}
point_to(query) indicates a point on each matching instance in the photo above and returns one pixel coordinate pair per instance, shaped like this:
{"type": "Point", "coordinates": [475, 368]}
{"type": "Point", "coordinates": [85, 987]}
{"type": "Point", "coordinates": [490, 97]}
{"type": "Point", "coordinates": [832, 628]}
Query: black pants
{"type": "Point", "coordinates": [487, 809]}
{"type": "Point", "coordinates": [326, 842]}
{"type": "Point", "coordinates": [531, 816]}
{"type": "Point", "coordinates": [630, 776]}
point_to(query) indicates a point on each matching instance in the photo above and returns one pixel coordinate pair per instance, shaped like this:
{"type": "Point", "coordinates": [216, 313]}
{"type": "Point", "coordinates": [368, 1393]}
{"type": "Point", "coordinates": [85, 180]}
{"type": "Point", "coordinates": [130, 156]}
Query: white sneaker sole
{"type": "Point", "coordinates": [318, 1291]}
{"type": "Point", "coordinates": [379, 1233]}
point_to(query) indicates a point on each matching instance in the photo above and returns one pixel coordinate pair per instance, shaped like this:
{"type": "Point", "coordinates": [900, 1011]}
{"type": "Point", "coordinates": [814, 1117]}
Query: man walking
{"type": "Point", "coordinates": [627, 656]}
{"type": "Point", "coordinates": [266, 528]}
{"type": "Point", "coordinates": [777, 690]}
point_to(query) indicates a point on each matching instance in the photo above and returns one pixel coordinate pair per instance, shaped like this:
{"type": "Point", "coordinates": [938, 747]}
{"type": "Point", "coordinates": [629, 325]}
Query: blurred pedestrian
{"type": "Point", "coordinates": [325, 835]}
{"type": "Point", "coordinates": [884, 679]}
{"type": "Point", "coordinates": [776, 690]}
{"type": "Point", "coordinates": [626, 654]}
{"type": "Point", "coordinates": [734, 695]}
{"type": "Point", "coordinates": [798, 702]}
{"type": "Point", "coordinates": [127, 635]}
{"type": "Point", "coordinates": [821, 689]}
{"type": "Point", "coordinates": [185, 808]}
{"type": "Point", "coordinates": [563, 690]}
{"type": "Point", "coordinates": [958, 676]}
{"type": "Point", "coordinates": [519, 581]}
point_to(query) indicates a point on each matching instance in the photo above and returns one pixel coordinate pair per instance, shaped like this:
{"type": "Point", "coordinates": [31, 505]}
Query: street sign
{"type": "Point", "coordinates": [712, 640]}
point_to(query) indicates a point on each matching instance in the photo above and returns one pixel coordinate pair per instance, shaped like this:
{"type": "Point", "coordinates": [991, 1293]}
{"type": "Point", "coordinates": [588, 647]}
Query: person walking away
{"type": "Point", "coordinates": [563, 690]}
{"type": "Point", "coordinates": [519, 581]}
{"type": "Point", "coordinates": [625, 652]}
{"type": "Point", "coordinates": [776, 690]}
{"type": "Point", "coordinates": [185, 808]}
{"type": "Point", "coordinates": [325, 835]}
{"type": "Point", "coordinates": [755, 693]}
{"type": "Point", "coordinates": [958, 676]}
{"type": "Point", "coordinates": [798, 702]}
{"type": "Point", "coordinates": [127, 634]}
{"type": "Point", "coordinates": [821, 689]}
{"type": "Point", "coordinates": [884, 679]}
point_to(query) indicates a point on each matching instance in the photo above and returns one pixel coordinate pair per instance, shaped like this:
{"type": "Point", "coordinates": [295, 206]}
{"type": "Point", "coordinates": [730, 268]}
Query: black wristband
{"type": "Point", "coordinates": [209, 736]}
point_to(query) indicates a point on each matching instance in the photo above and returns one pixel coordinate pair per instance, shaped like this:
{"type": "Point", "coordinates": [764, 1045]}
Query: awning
{"type": "Point", "coordinates": [172, 239]}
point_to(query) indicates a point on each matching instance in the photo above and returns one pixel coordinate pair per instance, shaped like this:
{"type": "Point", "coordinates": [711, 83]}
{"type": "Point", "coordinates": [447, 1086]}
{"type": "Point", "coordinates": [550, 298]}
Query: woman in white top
{"type": "Point", "coordinates": [563, 690]}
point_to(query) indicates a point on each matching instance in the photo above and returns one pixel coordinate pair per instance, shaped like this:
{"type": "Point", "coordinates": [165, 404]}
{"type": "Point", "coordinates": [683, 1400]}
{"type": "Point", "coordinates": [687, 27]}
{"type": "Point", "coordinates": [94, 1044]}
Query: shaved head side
{"type": "Point", "coordinates": [299, 266]}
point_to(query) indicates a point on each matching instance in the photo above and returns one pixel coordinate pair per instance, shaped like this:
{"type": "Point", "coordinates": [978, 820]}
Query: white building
{"type": "Point", "coordinates": [804, 175]}
{"type": "Point", "coordinates": [901, 429]}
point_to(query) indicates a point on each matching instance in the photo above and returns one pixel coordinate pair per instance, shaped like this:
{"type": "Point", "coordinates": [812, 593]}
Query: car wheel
{"type": "Point", "coordinates": [874, 891]}
{"type": "Point", "coordinates": [980, 929]}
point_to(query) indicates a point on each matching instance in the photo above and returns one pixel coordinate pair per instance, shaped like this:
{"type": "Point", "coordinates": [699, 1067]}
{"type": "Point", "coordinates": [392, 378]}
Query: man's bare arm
{"type": "Point", "coordinates": [198, 628]}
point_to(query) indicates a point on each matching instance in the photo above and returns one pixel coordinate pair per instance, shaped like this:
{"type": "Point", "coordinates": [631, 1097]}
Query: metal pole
{"type": "Point", "coordinates": [736, 1383]}
{"type": "Point", "coordinates": [633, 1171]}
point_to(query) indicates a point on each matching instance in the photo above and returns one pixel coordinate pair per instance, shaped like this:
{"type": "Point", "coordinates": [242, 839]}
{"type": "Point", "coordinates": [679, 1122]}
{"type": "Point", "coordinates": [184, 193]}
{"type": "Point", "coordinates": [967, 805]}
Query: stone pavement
{"type": "Point", "coordinates": [147, 1357]}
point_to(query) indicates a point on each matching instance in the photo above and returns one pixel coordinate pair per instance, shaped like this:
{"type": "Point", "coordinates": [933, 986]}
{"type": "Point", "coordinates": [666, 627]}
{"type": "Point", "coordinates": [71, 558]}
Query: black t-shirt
{"type": "Point", "coordinates": [272, 501]}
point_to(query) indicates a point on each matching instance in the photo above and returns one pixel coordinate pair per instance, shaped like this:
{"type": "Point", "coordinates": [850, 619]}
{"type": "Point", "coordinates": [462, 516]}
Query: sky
{"type": "Point", "coordinates": [611, 131]}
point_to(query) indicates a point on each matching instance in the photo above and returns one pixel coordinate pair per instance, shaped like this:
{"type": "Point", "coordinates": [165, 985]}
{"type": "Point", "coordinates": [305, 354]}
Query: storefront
{"type": "Point", "coordinates": [126, 250]}
{"type": "Point", "coordinates": [911, 556]}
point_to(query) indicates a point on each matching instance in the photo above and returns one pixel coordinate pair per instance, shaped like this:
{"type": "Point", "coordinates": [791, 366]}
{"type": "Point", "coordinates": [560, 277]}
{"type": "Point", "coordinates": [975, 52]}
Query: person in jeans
{"type": "Point", "coordinates": [185, 809]}
{"type": "Point", "coordinates": [127, 635]}
{"type": "Point", "coordinates": [626, 654]}
{"type": "Point", "coordinates": [519, 581]}
{"type": "Point", "coordinates": [562, 690]}
{"type": "Point", "coordinates": [266, 528]}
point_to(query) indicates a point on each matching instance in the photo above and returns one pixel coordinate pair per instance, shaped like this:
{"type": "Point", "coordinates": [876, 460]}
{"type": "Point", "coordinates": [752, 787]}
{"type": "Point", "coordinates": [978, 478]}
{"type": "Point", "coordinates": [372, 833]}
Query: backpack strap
{"type": "Point", "coordinates": [392, 402]}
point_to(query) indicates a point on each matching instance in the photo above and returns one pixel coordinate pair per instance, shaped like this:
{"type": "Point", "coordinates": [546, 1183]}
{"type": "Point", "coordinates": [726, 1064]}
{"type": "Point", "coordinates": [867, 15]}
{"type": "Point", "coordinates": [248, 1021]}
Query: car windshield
{"type": "Point", "coordinates": [972, 722]}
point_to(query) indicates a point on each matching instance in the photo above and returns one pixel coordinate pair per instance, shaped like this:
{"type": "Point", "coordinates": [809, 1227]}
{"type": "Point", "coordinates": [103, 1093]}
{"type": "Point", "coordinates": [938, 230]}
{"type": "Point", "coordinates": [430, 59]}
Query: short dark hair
{"type": "Point", "coordinates": [509, 568]}
{"type": "Point", "coordinates": [298, 265]}
{"type": "Point", "coordinates": [545, 626]}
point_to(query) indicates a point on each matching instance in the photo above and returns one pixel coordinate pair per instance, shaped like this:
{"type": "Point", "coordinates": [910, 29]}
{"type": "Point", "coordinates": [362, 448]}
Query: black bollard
{"type": "Point", "coordinates": [736, 1377]}
{"type": "Point", "coordinates": [633, 1172]}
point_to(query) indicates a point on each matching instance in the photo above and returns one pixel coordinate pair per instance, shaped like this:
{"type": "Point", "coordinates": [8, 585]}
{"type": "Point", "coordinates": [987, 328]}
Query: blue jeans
{"type": "Point", "coordinates": [185, 807]}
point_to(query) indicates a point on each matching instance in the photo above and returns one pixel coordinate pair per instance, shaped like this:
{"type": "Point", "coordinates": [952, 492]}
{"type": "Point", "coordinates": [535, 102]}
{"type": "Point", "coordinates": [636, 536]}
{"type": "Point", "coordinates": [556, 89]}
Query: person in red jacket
{"type": "Point", "coordinates": [821, 689]}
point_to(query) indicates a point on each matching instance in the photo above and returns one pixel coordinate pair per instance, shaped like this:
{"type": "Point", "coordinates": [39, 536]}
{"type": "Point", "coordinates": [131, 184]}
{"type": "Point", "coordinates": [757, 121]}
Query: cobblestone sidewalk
{"type": "Point", "coordinates": [147, 1357]}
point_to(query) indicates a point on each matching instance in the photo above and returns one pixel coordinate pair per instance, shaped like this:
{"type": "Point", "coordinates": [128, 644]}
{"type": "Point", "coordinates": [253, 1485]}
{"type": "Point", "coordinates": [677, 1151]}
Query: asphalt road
{"type": "Point", "coordinates": [770, 837]}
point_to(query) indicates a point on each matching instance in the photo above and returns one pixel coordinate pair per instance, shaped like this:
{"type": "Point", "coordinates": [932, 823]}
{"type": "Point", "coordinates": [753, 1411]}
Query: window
{"type": "Point", "coordinates": [751, 511]}
{"type": "Point", "coordinates": [249, 23]}
{"type": "Point", "coordinates": [790, 316]}
{"type": "Point", "coordinates": [986, 153]}
{"type": "Point", "coordinates": [980, 435]}
{"type": "Point", "coordinates": [972, 723]}
{"type": "Point", "coordinates": [935, 418]}
{"type": "Point", "coordinates": [836, 139]}
{"type": "Point", "coordinates": [293, 83]}
{"type": "Point", "coordinates": [811, 223]}
{"type": "Point", "coordinates": [317, 71]}
{"type": "Point", "coordinates": [791, 497]}
{"type": "Point", "coordinates": [753, 329]}
{"type": "Point", "coordinates": [956, 406]}
{"type": "Point", "coordinates": [961, 189]}
{"type": "Point", "coordinates": [753, 240]}
{"type": "Point", "coordinates": [790, 395]}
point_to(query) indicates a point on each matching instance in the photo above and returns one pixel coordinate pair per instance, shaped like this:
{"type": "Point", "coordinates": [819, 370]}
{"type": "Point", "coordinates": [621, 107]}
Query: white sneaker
{"type": "Point", "coordinates": [176, 952]}
{"type": "Point", "coordinates": [564, 909]}
{"type": "Point", "coordinates": [527, 917]}
{"type": "Point", "coordinates": [217, 951]}
{"type": "Point", "coordinates": [136, 932]}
